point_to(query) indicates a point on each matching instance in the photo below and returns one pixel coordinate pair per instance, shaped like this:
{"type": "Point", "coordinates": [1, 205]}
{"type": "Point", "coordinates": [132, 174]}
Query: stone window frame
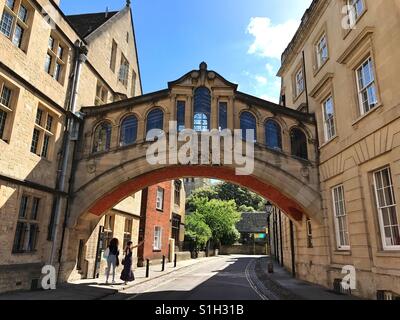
{"type": "Point", "coordinates": [46, 131]}
{"type": "Point", "coordinates": [339, 245]}
{"type": "Point", "coordinates": [346, 32]}
{"type": "Point", "coordinates": [57, 59]}
{"type": "Point", "coordinates": [352, 57]}
{"type": "Point", "coordinates": [114, 53]}
{"type": "Point", "coordinates": [123, 74]}
{"type": "Point", "coordinates": [26, 222]}
{"type": "Point", "coordinates": [25, 24]}
{"type": "Point", "coordinates": [8, 110]}
{"type": "Point", "coordinates": [296, 93]}
{"type": "Point", "coordinates": [328, 138]}
{"type": "Point", "coordinates": [379, 208]}
{"type": "Point", "coordinates": [108, 228]}
{"type": "Point", "coordinates": [133, 84]}
{"type": "Point", "coordinates": [317, 66]}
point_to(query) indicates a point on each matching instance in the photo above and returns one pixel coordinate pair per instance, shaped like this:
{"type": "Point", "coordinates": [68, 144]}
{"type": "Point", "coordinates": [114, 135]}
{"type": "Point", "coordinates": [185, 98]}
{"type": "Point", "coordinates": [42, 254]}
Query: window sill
{"type": "Point", "coordinates": [24, 252]}
{"type": "Point", "coordinates": [326, 143]}
{"type": "Point", "coordinates": [378, 108]}
{"type": "Point", "coordinates": [295, 98]}
{"type": "Point", "coordinates": [347, 32]}
{"type": "Point", "coordinates": [389, 253]}
{"type": "Point", "coordinates": [318, 69]}
{"type": "Point", "coordinates": [342, 252]}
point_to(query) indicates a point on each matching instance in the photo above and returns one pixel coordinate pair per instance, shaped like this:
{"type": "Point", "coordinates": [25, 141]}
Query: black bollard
{"type": "Point", "coordinates": [147, 268]}
{"type": "Point", "coordinates": [175, 260]}
{"type": "Point", "coordinates": [163, 263]}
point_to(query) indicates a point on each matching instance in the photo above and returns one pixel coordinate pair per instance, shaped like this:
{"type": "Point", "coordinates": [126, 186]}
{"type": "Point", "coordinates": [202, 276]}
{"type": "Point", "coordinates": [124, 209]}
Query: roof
{"type": "Point", "coordinates": [85, 24]}
{"type": "Point", "coordinates": [253, 222]}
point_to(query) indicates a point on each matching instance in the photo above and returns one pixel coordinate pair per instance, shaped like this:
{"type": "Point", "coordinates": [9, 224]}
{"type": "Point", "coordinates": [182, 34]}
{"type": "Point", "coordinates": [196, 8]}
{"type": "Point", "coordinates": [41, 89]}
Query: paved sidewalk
{"type": "Point", "coordinates": [96, 289]}
{"type": "Point", "coordinates": [284, 287]}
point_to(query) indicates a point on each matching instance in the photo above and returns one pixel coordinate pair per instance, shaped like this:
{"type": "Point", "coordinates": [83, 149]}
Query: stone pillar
{"type": "Point", "coordinates": [231, 114]}
{"type": "Point", "coordinates": [189, 113]}
{"type": "Point", "coordinates": [214, 112]}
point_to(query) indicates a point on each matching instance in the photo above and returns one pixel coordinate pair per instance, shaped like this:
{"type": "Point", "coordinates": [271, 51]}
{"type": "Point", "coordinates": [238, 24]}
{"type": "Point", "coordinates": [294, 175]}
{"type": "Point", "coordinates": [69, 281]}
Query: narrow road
{"type": "Point", "coordinates": [227, 278]}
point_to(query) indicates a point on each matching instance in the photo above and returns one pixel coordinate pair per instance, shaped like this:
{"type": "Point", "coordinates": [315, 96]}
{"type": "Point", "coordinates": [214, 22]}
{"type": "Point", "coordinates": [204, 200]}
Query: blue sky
{"type": "Point", "coordinates": [240, 39]}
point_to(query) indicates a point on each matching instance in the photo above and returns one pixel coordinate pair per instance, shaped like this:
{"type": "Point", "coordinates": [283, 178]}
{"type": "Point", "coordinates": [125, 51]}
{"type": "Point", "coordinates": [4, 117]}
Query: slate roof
{"type": "Point", "coordinates": [252, 222]}
{"type": "Point", "coordinates": [85, 24]}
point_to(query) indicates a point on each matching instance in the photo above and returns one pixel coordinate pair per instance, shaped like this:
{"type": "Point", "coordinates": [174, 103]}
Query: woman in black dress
{"type": "Point", "coordinates": [127, 273]}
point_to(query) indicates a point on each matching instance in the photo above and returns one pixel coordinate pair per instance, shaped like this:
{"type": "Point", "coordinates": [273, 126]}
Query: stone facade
{"type": "Point", "coordinates": [363, 142]}
{"type": "Point", "coordinates": [28, 171]}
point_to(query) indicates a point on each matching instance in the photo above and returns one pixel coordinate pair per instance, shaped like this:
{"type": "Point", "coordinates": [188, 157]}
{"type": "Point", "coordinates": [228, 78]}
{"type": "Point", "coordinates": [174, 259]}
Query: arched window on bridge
{"type": "Point", "coordinates": [298, 141]}
{"type": "Point", "coordinates": [129, 127]}
{"type": "Point", "coordinates": [273, 135]}
{"type": "Point", "coordinates": [248, 122]}
{"type": "Point", "coordinates": [155, 120]}
{"type": "Point", "coordinates": [202, 109]}
{"type": "Point", "coordinates": [102, 137]}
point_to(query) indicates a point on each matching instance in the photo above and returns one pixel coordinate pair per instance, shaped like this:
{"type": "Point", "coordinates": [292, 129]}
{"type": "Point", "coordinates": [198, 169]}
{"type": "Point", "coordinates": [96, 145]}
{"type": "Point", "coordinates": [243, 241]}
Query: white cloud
{"type": "Point", "coordinates": [270, 40]}
{"type": "Point", "coordinates": [270, 69]}
{"type": "Point", "coordinates": [261, 80]}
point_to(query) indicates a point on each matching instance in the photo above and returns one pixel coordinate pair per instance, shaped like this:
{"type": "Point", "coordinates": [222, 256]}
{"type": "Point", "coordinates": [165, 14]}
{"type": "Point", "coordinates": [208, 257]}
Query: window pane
{"type": "Point", "coordinates": [202, 109]}
{"type": "Point", "coordinates": [299, 144]}
{"type": "Point", "coordinates": [46, 142]}
{"type": "Point", "coordinates": [60, 52]}
{"type": "Point", "coordinates": [102, 137]}
{"type": "Point", "coordinates": [57, 71]}
{"type": "Point", "coordinates": [3, 119]}
{"type": "Point", "coordinates": [19, 237]}
{"type": "Point", "coordinates": [248, 122]}
{"type": "Point", "coordinates": [49, 123]}
{"type": "Point", "coordinates": [39, 116]}
{"type": "Point", "coordinates": [47, 64]}
{"type": "Point", "coordinates": [23, 207]}
{"type": "Point", "coordinates": [180, 117]}
{"type": "Point", "coordinates": [23, 13]}
{"type": "Point", "coordinates": [129, 131]}
{"type": "Point", "coordinates": [10, 4]}
{"type": "Point", "coordinates": [6, 24]}
{"type": "Point", "coordinates": [35, 208]}
{"type": "Point", "coordinates": [155, 120]}
{"type": "Point", "coordinates": [33, 232]}
{"type": "Point", "coordinates": [18, 34]}
{"type": "Point", "coordinates": [223, 115]}
{"type": "Point", "coordinates": [273, 136]}
{"type": "Point", "coordinates": [51, 43]}
{"type": "Point", "coordinates": [35, 141]}
{"type": "Point", "coordinates": [5, 97]}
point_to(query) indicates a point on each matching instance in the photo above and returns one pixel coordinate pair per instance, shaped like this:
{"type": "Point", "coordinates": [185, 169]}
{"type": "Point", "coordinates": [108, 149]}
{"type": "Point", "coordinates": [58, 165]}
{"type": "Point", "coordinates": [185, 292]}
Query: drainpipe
{"type": "Point", "coordinates": [281, 237]}
{"type": "Point", "coordinates": [292, 248]}
{"type": "Point", "coordinates": [305, 82]}
{"type": "Point", "coordinates": [80, 58]}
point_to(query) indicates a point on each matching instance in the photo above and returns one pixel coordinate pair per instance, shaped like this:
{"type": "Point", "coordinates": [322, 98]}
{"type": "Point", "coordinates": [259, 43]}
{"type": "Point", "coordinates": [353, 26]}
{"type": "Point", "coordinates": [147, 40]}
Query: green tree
{"type": "Point", "coordinates": [197, 230]}
{"type": "Point", "coordinates": [221, 217]}
{"type": "Point", "coordinates": [246, 201]}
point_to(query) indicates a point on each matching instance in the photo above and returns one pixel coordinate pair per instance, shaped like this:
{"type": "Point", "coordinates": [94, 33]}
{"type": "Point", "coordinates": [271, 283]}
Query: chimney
{"type": "Point", "coordinates": [106, 12]}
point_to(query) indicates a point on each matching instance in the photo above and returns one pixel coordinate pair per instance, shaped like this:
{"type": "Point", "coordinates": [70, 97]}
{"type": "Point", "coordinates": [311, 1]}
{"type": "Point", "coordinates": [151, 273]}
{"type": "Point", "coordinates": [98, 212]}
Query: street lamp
{"type": "Point", "coordinates": [269, 208]}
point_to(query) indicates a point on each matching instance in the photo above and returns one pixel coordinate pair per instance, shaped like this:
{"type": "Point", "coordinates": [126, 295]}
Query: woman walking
{"type": "Point", "coordinates": [112, 259]}
{"type": "Point", "coordinates": [127, 274]}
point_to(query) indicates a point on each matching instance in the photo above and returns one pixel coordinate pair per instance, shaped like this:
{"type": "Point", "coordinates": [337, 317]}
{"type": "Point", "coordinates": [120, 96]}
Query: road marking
{"type": "Point", "coordinates": [252, 284]}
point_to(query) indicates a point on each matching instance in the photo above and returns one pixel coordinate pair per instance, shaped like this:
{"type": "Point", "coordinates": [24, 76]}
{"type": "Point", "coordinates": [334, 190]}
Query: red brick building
{"type": "Point", "coordinates": [155, 224]}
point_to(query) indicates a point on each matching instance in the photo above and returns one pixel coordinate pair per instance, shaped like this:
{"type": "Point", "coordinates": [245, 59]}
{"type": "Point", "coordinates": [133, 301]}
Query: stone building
{"type": "Point", "coordinates": [50, 66]}
{"type": "Point", "coordinates": [342, 65]}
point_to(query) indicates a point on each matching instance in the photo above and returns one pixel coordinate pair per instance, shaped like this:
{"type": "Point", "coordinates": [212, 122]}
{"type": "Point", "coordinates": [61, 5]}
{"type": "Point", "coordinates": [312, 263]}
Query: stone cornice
{"type": "Point", "coordinates": [308, 22]}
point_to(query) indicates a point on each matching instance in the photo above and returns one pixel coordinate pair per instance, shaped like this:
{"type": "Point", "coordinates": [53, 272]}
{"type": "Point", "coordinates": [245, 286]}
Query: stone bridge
{"type": "Point", "coordinates": [111, 163]}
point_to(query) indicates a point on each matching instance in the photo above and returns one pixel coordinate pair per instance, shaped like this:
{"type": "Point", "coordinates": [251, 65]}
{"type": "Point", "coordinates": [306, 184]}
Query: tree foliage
{"type": "Point", "coordinates": [246, 201]}
{"type": "Point", "coordinates": [220, 216]}
{"type": "Point", "coordinates": [197, 230]}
